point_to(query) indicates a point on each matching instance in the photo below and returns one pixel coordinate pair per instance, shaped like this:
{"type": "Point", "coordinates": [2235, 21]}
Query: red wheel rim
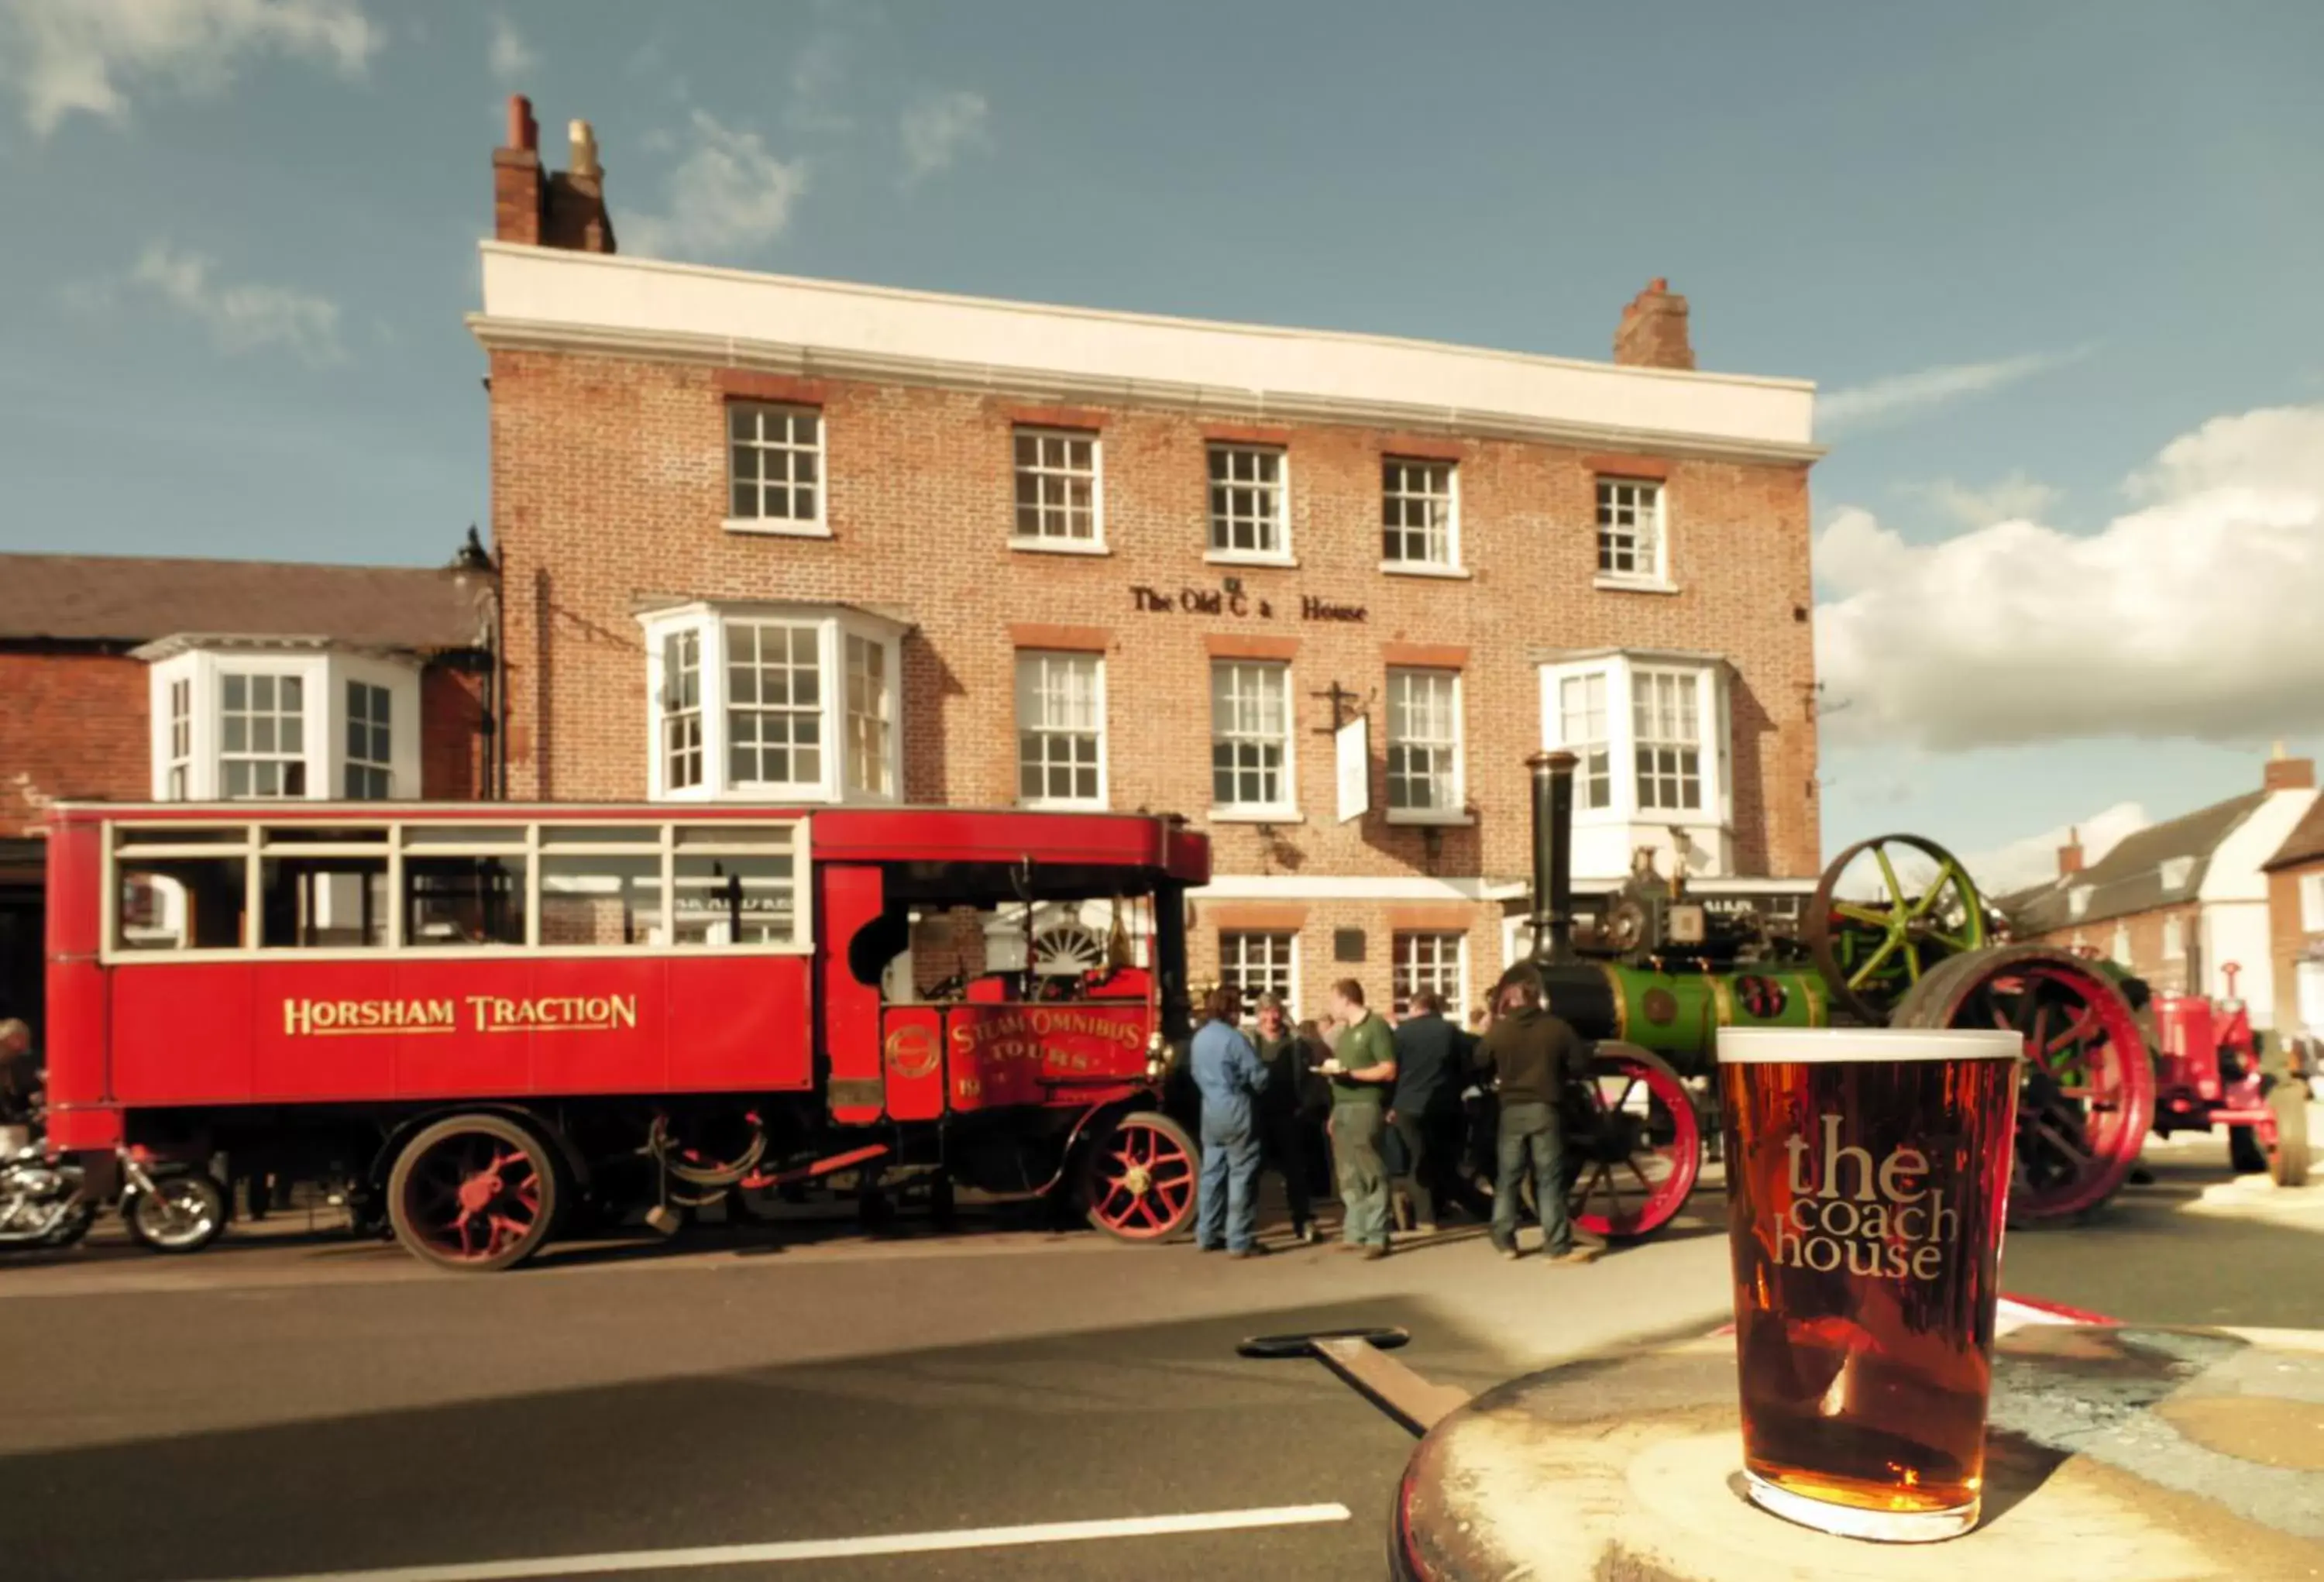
{"type": "Point", "coordinates": [1640, 1149]}
{"type": "Point", "coordinates": [2080, 1109]}
{"type": "Point", "coordinates": [472, 1197]}
{"type": "Point", "coordinates": [1141, 1182]}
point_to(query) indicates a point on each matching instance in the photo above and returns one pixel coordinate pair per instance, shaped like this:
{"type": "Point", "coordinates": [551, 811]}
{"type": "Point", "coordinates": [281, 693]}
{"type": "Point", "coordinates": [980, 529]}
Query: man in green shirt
{"type": "Point", "coordinates": [1362, 1070]}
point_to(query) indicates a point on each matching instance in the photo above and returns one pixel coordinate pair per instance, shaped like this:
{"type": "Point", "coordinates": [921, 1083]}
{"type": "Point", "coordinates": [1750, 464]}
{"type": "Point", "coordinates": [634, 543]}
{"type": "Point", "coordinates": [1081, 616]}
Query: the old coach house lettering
{"type": "Point", "coordinates": [1212, 601]}
{"type": "Point", "coordinates": [486, 1013]}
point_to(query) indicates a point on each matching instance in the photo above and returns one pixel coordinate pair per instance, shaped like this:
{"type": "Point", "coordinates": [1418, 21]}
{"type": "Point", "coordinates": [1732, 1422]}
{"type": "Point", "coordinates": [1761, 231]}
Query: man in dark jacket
{"type": "Point", "coordinates": [1529, 1054]}
{"type": "Point", "coordinates": [1282, 1125]}
{"type": "Point", "coordinates": [1425, 1109]}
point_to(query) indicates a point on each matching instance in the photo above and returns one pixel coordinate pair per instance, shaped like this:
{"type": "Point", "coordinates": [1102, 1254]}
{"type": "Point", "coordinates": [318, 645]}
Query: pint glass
{"type": "Point", "coordinates": [1867, 1173]}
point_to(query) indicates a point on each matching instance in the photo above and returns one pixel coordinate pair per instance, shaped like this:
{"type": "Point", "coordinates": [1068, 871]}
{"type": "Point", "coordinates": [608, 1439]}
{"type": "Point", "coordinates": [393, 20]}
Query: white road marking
{"type": "Point", "coordinates": [839, 1548]}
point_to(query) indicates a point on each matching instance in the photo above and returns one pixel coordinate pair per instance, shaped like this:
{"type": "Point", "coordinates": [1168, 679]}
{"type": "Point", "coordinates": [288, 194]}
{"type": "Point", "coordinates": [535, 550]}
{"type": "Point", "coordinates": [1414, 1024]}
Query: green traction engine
{"type": "Point", "coordinates": [1895, 935]}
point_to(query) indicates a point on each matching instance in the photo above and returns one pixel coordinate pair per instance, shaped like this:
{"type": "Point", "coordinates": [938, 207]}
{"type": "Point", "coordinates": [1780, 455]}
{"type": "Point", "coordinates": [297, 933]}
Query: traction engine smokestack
{"type": "Point", "coordinates": [1553, 855]}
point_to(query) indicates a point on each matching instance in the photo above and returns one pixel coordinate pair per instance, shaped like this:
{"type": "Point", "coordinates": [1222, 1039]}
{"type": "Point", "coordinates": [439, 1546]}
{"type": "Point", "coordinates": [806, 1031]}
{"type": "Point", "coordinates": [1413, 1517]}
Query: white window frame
{"type": "Point", "coordinates": [1224, 553]}
{"type": "Point", "coordinates": [818, 526]}
{"type": "Point", "coordinates": [1030, 663]}
{"type": "Point", "coordinates": [817, 647]}
{"type": "Point", "coordinates": [1056, 543]}
{"type": "Point", "coordinates": [1456, 1009]}
{"type": "Point", "coordinates": [2174, 936]}
{"type": "Point", "coordinates": [2077, 902]}
{"type": "Point", "coordinates": [2312, 902]}
{"type": "Point", "coordinates": [879, 720]}
{"type": "Point", "coordinates": [1229, 971]}
{"type": "Point", "coordinates": [2119, 947]}
{"type": "Point", "coordinates": [1456, 810]}
{"type": "Point", "coordinates": [1285, 810]}
{"type": "Point", "coordinates": [1451, 566]}
{"type": "Point", "coordinates": [351, 689]}
{"type": "Point", "coordinates": [1607, 498]}
{"type": "Point", "coordinates": [1645, 682]}
{"type": "Point", "coordinates": [1608, 833]}
{"type": "Point", "coordinates": [709, 621]}
{"type": "Point", "coordinates": [323, 672]}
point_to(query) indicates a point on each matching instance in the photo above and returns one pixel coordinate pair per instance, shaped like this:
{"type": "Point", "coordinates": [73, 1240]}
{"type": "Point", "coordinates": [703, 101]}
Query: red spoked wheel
{"type": "Point", "coordinates": [473, 1192]}
{"type": "Point", "coordinates": [1137, 1177]}
{"type": "Point", "coordinates": [1633, 1130]}
{"type": "Point", "coordinates": [2087, 1094]}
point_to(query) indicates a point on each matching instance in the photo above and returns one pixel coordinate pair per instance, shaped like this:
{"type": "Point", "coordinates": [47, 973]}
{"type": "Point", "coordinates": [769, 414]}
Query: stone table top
{"type": "Point", "coordinates": [2114, 1455]}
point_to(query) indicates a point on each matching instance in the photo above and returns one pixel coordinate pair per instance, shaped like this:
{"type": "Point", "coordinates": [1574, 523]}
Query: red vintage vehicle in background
{"type": "Point", "coordinates": [2206, 1073]}
{"type": "Point", "coordinates": [481, 1022]}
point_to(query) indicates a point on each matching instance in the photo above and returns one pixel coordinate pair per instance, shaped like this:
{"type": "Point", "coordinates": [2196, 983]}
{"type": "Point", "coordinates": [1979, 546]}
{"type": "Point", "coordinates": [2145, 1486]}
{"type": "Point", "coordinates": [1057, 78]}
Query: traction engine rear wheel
{"type": "Point", "coordinates": [2086, 1097]}
{"type": "Point", "coordinates": [1639, 1143]}
{"type": "Point", "coordinates": [473, 1192]}
{"type": "Point", "coordinates": [1137, 1177]}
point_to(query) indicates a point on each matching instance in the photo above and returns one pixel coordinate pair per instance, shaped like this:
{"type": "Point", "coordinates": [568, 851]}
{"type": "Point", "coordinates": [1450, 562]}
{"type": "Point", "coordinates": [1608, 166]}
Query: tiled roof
{"type": "Point", "coordinates": [2129, 878]}
{"type": "Point", "coordinates": [120, 598]}
{"type": "Point", "coordinates": [2305, 844]}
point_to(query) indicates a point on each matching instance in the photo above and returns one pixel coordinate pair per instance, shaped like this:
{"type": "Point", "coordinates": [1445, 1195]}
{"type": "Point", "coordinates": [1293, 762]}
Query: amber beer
{"type": "Point", "coordinates": [1867, 1173]}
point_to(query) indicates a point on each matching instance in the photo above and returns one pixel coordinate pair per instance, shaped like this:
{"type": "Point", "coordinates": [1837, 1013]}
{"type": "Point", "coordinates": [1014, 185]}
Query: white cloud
{"type": "Point", "coordinates": [729, 196]}
{"type": "Point", "coordinates": [938, 128]}
{"type": "Point", "coordinates": [66, 55]}
{"type": "Point", "coordinates": [509, 56]}
{"type": "Point", "coordinates": [1904, 394]}
{"type": "Point", "coordinates": [2016, 498]}
{"type": "Point", "coordinates": [241, 318]}
{"type": "Point", "coordinates": [2022, 864]}
{"type": "Point", "coordinates": [2193, 616]}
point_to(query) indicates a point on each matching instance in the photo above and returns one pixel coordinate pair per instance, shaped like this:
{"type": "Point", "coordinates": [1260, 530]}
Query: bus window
{"type": "Point", "coordinates": [734, 898]}
{"type": "Point", "coordinates": [463, 900]}
{"type": "Point", "coordinates": [180, 903]}
{"type": "Point", "coordinates": [323, 902]}
{"type": "Point", "coordinates": [600, 899]}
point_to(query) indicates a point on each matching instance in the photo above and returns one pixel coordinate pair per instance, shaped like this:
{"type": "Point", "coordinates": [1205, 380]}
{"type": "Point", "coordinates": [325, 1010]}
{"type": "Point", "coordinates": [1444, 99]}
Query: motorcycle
{"type": "Point", "coordinates": [45, 1203]}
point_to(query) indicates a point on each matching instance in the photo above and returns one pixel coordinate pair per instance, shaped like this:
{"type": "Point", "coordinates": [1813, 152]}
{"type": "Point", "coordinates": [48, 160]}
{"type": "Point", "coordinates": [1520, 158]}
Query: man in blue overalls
{"type": "Point", "coordinates": [1228, 1071]}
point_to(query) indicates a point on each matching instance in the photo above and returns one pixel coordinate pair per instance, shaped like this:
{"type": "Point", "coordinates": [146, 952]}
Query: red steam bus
{"type": "Point", "coordinates": [479, 1020]}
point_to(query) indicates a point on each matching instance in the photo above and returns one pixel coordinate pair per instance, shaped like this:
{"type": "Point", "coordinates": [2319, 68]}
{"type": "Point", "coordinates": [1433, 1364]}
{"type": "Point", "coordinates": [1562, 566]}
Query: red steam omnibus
{"type": "Point", "coordinates": [474, 1019]}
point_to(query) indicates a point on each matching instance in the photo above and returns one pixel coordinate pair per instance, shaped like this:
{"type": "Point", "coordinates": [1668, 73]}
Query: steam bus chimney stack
{"type": "Point", "coordinates": [1553, 855]}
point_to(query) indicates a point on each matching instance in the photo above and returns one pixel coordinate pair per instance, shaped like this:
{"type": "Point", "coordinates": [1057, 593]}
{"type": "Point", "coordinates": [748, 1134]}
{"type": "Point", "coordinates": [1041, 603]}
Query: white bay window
{"type": "Point", "coordinates": [773, 702]}
{"type": "Point", "coordinates": [1649, 732]}
{"type": "Point", "coordinates": [237, 720]}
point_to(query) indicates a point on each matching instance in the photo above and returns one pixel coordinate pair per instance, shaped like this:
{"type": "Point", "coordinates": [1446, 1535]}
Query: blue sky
{"type": "Point", "coordinates": [2023, 250]}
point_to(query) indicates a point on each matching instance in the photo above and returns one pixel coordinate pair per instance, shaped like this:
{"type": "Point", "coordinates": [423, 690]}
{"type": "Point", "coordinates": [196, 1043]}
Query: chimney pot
{"type": "Point", "coordinates": [2070, 856]}
{"type": "Point", "coordinates": [523, 130]}
{"type": "Point", "coordinates": [584, 150]}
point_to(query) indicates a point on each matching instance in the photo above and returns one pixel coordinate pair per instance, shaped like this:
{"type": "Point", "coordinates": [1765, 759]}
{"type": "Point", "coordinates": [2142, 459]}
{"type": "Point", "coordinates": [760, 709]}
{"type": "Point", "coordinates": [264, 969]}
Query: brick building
{"type": "Point", "coordinates": [2295, 904]}
{"type": "Point", "coordinates": [794, 540]}
{"type": "Point", "coordinates": [2180, 903]}
{"type": "Point", "coordinates": [127, 680]}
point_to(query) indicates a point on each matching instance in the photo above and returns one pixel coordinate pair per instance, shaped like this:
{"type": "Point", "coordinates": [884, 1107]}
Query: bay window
{"type": "Point", "coordinates": [772, 701]}
{"type": "Point", "coordinates": [1649, 732]}
{"type": "Point", "coordinates": [278, 720]}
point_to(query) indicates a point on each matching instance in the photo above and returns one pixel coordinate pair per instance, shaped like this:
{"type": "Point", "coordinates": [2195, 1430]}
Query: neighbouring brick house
{"type": "Point", "coordinates": [777, 539]}
{"type": "Point", "coordinates": [2180, 903]}
{"type": "Point", "coordinates": [130, 680]}
{"type": "Point", "coordinates": [2295, 903]}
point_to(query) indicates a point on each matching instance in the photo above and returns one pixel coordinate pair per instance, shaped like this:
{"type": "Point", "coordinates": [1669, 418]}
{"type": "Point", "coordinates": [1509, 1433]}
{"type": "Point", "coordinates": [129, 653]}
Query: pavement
{"type": "Point", "coordinates": [289, 1403]}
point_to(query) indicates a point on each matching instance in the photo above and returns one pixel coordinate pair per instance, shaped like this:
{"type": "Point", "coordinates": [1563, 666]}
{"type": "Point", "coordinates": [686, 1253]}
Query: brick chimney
{"type": "Point", "coordinates": [564, 210]}
{"type": "Point", "coordinates": [1653, 332]}
{"type": "Point", "coordinates": [2285, 773]}
{"type": "Point", "coordinates": [2070, 856]}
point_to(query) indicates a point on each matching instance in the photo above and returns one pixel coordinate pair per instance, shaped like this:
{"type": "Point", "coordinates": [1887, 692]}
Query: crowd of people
{"type": "Point", "coordinates": [1393, 1104]}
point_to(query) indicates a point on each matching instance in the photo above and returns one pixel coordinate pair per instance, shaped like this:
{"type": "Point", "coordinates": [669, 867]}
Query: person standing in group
{"type": "Point", "coordinates": [1362, 1070]}
{"type": "Point", "coordinates": [1425, 1108]}
{"type": "Point", "coordinates": [1227, 1071]}
{"type": "Point", "coordinates": [1527, 1053]}
{"type": "Point", "coordinates": [1281, 1139]}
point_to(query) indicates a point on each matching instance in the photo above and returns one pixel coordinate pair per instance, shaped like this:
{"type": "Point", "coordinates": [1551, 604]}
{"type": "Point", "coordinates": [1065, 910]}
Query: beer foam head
{"type": "Point", "coordinates": [1805, 1046]}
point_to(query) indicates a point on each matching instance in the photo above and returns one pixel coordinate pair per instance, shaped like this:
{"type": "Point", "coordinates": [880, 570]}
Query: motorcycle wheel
{"type": "Point", "coordinates": [184, 1213]}
{"type": "Point", "coordinates": [72, 1228]}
